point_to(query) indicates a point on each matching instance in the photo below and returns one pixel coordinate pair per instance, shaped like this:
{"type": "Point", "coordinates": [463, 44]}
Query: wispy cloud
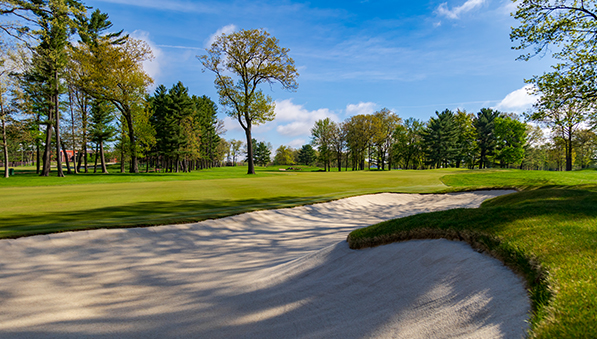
{"type": "Point", "coordinates": [360, 108]}
{"type": "Point", "coordinates": [455, 12]}
{"type": "Point", "coordinates": [180, 47]}
{"type": "Point", "coordinates": [152, 67]}
{"type": "Point", "coordinates": [223, 30]}
{"type": "Point", "coordinates": [171, 5]}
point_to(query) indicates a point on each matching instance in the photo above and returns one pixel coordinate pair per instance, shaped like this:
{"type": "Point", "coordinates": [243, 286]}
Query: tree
{"type": "Point", "coordinates": [385, 123]}
{"type": "Point", "coordinates": [235, 150]}
{"type": "Point", "coordinates": [284, 156]}
{"type": "Point", "coordinates": [561, 111]}
{"type": "Point", "coordinates": [568, 25]}
{"type": "Point", "coordinates": [114, 73]}
{"type": "Point", "coordinates": [485, 134]}
{"type": "Point", "coordinates": [511, 136]}
{"type": "Point", "coordinates": [322, 134]}
{"type": "Point", "coordinates": [102, 116]}
{"type": "Point", "coordinates": [254, 57]}
{"type": "Point", "coordinates": [261, 152]}
{"type": "Point", "coordinates": [307, 155]}
{"type": "Point", "coordinates": [585, 144]}
{"type": "Point", "coordinates": [466, 145]}
{"type": "Point", "coordinates": [439, 138]}
{"type": "Point", "coordinates": [408, 148]}
{"type": "Point", "coordinates": [359, 135]}
{"type": "Point", "coordinates": [338, 142]}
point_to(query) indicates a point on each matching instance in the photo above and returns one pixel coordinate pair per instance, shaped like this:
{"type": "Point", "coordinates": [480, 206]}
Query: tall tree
{"type": "Point", "coordinates": [485, 134]}
{"type": "Point", "coordinates": [322, 134]}
{"type": "Point", "coordinates": [102, 130]}
{"type": "Point", "coordinates": [559, 110]}
{"type": "Point", "coordinates": [440, 138]}
{"type": "Point", "coordinates": [114, 73]}
{"type": "Point", "coordinates": [408, 148]}
{"type": "Point", "coordinates": [235, 149]}
{"type": "Point", "coordinates": [511, 136]}
{"type": "Point", "coordinates": [254, 57]}
{"type": "Point", "coordinates": [385, 123]}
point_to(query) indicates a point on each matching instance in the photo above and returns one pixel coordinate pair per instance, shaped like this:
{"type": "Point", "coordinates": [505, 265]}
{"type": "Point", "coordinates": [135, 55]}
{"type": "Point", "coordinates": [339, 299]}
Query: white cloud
{"type": "Point", "coordinates": [231, 124]}
{"type": "Point", "coordinates": [455, 12]}
{"type": "Point", "coordinates": [224, 30]}
{"type": "Point", "coordinates": [361, 108]}
{"type": "Point", "coordinates": [300, 120]}
{"type": "Point", "coordinates": [152, 67]}
{"type": "Point", "coordinates": [297, 143]}
{"type": "Point", "coordinates": [518, 101]}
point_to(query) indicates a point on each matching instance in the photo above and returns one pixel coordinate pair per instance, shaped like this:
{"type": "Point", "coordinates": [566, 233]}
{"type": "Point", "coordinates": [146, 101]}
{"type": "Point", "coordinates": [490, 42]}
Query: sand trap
{"type": "Point", "coordinates": [272, 274]}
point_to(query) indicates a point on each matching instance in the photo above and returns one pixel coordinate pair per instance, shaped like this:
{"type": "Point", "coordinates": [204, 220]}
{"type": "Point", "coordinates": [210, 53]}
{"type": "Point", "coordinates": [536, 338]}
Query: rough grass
{"type": "Point", "coordinates": [519, 179]}
{"type": "Point", "coordinates": [548, 235]}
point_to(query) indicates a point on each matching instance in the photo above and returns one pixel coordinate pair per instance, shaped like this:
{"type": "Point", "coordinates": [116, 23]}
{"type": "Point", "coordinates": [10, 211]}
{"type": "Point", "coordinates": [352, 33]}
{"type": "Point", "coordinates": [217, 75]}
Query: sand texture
{"type": "Point", "coordinates": [284, 273]}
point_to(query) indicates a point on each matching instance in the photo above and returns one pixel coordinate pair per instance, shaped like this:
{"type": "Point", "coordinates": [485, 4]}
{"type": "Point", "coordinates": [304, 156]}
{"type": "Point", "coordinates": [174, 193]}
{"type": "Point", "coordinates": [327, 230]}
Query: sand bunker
{"type": "Point", "coordinates": [272, 274]}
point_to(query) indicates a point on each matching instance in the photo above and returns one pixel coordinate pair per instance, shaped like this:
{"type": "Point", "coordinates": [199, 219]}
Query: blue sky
{"type": "Point", "coordinates": [353, 56]}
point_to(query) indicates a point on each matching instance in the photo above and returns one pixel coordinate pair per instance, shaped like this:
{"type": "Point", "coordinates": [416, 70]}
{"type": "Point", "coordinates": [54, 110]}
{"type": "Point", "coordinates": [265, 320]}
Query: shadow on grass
{"type": "Point", "coordinates": [140, 214]}
{"type": "Point", "coordinates": [555, 222]}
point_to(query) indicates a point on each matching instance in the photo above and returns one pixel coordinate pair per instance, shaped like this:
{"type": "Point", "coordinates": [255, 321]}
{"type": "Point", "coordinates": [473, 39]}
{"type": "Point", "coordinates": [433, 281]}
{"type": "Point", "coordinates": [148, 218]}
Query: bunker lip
{"type": "Point", "coordinates": [265, 274]}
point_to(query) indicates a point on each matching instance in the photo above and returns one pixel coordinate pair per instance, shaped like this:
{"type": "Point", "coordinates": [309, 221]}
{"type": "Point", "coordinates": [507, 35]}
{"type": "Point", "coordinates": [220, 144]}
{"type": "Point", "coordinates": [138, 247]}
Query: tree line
{"type": "Point", "coordinates": [487, 139]}
{"type": "Point", "coordinates": [68, 84]}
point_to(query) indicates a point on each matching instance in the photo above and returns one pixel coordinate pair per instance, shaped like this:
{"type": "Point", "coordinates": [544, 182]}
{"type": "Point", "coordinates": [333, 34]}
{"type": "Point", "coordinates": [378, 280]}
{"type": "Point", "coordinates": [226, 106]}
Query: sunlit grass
{"type": "Point", "coordinates": [549, 235]}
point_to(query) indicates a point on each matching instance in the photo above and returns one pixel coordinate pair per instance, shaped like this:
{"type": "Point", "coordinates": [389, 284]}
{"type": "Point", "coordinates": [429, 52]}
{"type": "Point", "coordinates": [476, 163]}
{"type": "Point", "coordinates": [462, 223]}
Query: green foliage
{"type": "Point", "coordinates": [284, 156]}
{"type": "Point", "coordinates": [485, 134]}
{"type": "Point", "coordinates": [440, 138]}
{"type": "Point", "coordinates": [254, 57]}
{"type": "Point", "coordinates": [510, 140]}
{"type": "Point", "coordinates": [307, 155]}
{"type": "Point", "coordinates": [322, 135]}
{"type": "Point", "coordinates": [408, 148]}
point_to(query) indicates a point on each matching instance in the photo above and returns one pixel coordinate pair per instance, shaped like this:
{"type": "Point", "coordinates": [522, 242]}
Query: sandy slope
{"type": "Point", "coordinates": [271, 274]}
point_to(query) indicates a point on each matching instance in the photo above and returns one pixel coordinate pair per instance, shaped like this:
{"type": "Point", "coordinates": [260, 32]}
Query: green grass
{"type": "Point", "coordinates": [26, 176]}
{"type": "Point", "coordinates": [479, 179]}
{"type": "Point", "coordinates": [27, 209]}
{"type": "Point", "coordinates": [549, 235]}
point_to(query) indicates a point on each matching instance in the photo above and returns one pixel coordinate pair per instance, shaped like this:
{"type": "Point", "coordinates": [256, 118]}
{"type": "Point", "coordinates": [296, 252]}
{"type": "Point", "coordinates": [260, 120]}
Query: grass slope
{"type": "Point", "coordinates": [549, 235]}
{"type": "Point", "coordinates": [47, 209]}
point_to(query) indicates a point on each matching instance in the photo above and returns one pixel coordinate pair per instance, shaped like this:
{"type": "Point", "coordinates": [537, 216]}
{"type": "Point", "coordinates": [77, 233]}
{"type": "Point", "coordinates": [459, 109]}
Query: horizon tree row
{"type": "Point", "coordinates": [487, 139]}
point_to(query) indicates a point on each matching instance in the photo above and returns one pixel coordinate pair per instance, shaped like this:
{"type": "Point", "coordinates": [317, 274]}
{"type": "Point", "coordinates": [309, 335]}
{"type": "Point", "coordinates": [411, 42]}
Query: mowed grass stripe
{"type": "Point", "coordinates": [36, 210]}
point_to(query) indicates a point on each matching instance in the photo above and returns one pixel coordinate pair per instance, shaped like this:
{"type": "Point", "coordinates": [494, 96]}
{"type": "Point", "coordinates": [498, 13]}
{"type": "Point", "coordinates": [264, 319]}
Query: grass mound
{"type": "Point", "coordinates": [548, 235]}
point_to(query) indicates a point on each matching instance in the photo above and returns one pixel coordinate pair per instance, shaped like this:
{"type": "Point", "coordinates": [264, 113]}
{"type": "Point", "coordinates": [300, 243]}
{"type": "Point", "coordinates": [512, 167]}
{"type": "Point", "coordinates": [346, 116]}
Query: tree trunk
{"type": "Point", "coordinates": [121, 161]}
{"type": "Point", "coordinates": [72, 119]}
{"type": "Point", "coordinates": [251, 169]}
{"type": "Point", "coordinates": [47, 156]}
{"type": "Point", "coordinates": [66, 159]}
{"type": "Point", "coordinates": [57, 116]}
{"type": "Point", "coordinates": [134, 167]}
{"type": "Point", "coordinates": [103, 158]}
{"type": "Point", "coordinates": [569, 150]}
{"type": "Point", "coordinates": [4, 145]}
{"type": "Point", "coordinates": [96, 156]}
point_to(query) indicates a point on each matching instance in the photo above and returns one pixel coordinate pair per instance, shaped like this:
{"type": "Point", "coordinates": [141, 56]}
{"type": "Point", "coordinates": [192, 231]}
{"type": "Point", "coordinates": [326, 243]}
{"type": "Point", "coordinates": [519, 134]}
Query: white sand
{"type": "Point", "coordinates": [272, 274]}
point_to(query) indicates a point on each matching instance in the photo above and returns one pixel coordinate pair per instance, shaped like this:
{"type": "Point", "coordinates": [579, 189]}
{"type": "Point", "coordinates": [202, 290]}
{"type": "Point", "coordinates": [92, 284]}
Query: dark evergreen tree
{"type": "Point", "coordinates": [485, 134]}
{"type": "Point", "coordinates": [440, 138]}
{"type": "Point", "coordinates": [307, 155]}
